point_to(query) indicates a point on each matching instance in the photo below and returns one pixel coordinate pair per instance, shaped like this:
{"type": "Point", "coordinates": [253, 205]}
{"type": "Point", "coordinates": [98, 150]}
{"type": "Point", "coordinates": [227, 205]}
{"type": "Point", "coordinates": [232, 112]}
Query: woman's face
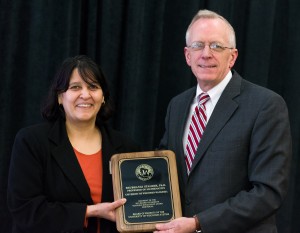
{"type": "Point", "coordinates": [82, 101]}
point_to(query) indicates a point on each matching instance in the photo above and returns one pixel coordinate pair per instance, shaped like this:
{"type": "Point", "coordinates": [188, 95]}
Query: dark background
{"type": "Point", "coordinates": [139, 44]}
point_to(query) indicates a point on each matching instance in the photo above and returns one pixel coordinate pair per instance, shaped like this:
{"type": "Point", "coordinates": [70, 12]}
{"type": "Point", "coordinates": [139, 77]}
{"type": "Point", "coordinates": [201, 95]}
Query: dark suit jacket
{"type": "Point", "coordinates": [240, 174]}
{"type": "Point", "coordinates": [47, 191]}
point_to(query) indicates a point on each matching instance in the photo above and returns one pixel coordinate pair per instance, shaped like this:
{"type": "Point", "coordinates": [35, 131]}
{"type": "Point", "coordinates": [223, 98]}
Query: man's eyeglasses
{"type": "Point", "coordinates": [214, 46]}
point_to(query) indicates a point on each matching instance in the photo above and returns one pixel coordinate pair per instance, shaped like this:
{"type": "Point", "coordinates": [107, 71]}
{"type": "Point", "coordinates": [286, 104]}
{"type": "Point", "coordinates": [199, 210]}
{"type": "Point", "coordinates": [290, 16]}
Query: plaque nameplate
{"type": "Point", "coordinates": [149, 182]}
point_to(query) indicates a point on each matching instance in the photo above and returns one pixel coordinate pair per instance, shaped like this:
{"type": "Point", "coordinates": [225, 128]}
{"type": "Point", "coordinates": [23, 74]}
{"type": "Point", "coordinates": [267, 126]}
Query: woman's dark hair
{"type": "Point", "coordinates": [89, 72]}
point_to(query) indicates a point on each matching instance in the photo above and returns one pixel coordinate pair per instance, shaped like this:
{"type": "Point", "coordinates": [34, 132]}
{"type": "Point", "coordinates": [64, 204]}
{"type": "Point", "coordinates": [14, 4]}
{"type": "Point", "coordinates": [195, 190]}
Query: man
{"type": "Point", "coordinates": [237, 178]}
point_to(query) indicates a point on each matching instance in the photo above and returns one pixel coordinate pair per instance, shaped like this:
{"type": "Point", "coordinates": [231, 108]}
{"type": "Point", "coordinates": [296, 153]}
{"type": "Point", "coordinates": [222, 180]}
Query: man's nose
{"type": "Point", "coordinates": [206, 51]}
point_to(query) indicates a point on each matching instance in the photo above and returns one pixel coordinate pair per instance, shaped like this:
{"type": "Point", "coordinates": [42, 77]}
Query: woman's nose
{"type": "Point", "coordinates": [85, 93]}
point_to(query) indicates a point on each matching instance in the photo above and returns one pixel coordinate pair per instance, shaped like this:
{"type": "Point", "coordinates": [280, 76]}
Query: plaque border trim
{"type": "Point", "coordinates": [169, 156]}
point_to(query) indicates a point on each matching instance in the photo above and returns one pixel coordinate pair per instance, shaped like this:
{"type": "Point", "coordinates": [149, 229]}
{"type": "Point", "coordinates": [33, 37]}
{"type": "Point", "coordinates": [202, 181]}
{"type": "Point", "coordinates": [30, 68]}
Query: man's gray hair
{"type": "Point", "coordinates": [207, 14]}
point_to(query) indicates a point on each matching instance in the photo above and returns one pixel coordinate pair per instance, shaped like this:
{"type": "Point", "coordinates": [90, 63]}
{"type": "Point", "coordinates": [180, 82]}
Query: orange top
{"type": "Point", "coordinates": [91, 166]}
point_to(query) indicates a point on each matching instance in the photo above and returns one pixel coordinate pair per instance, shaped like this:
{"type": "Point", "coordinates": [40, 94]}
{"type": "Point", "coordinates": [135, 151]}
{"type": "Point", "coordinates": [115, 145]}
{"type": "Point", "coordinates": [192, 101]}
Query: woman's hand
{"type": "Point", "coordinates": [104, 210]}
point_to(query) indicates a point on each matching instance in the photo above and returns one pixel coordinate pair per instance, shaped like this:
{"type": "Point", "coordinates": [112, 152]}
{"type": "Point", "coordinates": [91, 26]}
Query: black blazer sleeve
{"type": "Point", "coordinates": [31, 196]}
{"type": "Point", "coordinates": [47, 191]}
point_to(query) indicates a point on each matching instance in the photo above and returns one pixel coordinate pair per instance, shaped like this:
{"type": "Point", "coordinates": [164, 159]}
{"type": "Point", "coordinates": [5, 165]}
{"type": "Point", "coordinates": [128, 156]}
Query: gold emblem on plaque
{"type": "Point", "coordinates": [144, 172]}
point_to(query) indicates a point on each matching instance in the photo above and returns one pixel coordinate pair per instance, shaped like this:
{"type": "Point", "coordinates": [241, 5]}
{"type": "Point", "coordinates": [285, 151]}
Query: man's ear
{"type": "Point", "coordinates": [187, 55]}
{"type": "Point", "coordinates": [234, 55]}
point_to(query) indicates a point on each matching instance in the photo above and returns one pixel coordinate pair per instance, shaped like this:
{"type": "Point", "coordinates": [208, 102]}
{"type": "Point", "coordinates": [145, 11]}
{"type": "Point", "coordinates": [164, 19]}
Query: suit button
{"type": "Point", "coordinates": [187, 202]}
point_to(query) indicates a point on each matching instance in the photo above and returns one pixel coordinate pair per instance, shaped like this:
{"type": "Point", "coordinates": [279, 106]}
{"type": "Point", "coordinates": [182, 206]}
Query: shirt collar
{"type": "Point", "coordinates": [217, 90]}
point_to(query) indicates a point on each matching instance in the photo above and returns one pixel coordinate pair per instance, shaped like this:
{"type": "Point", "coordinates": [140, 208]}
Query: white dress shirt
{"type": "Point", "coordinates": [214, 95]}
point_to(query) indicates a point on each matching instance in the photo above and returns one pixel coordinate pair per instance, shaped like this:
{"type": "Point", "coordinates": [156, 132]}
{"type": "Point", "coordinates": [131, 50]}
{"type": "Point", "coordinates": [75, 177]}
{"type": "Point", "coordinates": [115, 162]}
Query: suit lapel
{"type": "Point", "coordinates": [65, 156]}
{"type": "Point", "coordinates": [183, 107]}
{"type": "Point", "coordinates": [110, 145]}
{"type": "Point", "coordinates": [223, 111]}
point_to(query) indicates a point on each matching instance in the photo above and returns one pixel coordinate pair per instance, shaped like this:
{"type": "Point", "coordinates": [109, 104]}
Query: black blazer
{"type": "Point", "coordinates": [47, 191]}
{"type": "Point", "coordinates": [240, 173]}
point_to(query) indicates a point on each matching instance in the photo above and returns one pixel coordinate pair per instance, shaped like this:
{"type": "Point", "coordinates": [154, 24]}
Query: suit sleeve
{"type": "Point", "coordinates": [164, 141]}
{"type": "Point", "coordinates": [32, 211]}
{"type": "Point", "coordinates": [268, 173]}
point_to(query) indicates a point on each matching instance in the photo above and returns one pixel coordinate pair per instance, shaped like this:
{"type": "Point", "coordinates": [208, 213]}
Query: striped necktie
{"type": "Point", "coordinates": [196, 129]}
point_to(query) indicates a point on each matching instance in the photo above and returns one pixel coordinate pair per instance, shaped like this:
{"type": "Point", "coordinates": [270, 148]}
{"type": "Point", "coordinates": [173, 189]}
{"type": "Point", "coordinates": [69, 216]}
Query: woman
{"type": "Point", "coordinates": [59, 177]}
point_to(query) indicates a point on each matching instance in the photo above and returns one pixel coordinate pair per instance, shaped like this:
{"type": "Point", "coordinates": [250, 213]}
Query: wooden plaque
{"type": "Point", "coordinates": [149, 182]}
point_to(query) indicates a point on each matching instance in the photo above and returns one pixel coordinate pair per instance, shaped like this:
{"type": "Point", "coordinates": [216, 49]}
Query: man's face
{"type": "Point", "coordinates": [210, 67]}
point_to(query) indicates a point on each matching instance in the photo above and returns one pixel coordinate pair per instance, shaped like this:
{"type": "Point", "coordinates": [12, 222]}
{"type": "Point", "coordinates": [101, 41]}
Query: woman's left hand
{"type": "Point", "coordinates": [105, 210]}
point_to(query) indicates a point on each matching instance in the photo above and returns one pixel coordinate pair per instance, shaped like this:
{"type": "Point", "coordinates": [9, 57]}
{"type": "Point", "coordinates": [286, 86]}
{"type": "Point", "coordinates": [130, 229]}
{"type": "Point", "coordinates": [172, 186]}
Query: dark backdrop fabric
{"type": "Point", "coordinates": [139, 44]}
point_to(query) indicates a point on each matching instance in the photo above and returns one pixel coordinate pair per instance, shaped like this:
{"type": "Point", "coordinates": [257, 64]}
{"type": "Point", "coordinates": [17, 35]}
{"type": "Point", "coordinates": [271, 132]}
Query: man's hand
{"type": "Point", "coordinates": [179, 225]}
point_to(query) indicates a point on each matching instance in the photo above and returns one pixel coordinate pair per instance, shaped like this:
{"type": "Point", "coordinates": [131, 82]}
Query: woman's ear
{"type": "Point", "coordinates": [59, 99]}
